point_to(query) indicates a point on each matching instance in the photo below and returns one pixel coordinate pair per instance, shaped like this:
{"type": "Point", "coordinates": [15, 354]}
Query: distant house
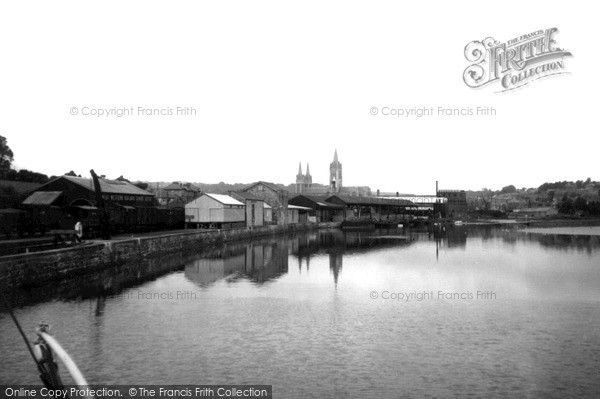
{"type": "Point", "coordinates": [215, 211]}
{"type": "Point", "coordinates": [185, 192]}
{"type": "Point", "coordinates": [323, 211]}
{"type": "Point", "coordinates": [274, 196]}
{"type": "Point", "coordinates": [534, 213]}
{"type": "Point", "coordinates": [254, 207]}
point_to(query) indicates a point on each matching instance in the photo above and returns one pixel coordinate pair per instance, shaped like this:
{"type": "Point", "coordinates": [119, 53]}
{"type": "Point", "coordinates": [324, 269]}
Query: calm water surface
{"type": "Point", "coordinates": [333, 314]}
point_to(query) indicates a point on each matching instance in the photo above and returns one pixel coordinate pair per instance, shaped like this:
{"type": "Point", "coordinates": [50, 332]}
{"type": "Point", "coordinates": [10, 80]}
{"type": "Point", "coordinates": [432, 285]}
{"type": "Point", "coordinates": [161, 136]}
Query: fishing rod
{"type": "Point", "coordinates": [47, 375]}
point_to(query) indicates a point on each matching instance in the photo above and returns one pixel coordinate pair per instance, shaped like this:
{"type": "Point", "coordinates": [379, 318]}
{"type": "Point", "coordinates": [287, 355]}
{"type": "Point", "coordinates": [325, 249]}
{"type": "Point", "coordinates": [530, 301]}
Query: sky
{"type": "Point", "coordinates": [275, 83]}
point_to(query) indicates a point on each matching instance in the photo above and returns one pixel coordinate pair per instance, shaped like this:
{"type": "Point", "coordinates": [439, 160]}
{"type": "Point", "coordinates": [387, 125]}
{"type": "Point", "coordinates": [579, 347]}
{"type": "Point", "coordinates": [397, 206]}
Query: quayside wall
{"type": "Point", "coordinates": [40, 268]}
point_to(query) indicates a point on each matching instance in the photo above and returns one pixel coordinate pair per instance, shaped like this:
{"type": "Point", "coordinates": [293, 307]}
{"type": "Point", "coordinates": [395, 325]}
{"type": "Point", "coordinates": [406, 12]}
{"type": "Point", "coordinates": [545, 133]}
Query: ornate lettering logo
{"type": "Point", "coordinates": [516, 62]}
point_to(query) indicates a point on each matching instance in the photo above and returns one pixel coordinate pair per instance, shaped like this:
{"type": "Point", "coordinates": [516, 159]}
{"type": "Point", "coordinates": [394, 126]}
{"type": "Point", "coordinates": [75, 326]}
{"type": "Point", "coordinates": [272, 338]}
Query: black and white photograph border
{"type": "Point", "coordinates": [280, 200]}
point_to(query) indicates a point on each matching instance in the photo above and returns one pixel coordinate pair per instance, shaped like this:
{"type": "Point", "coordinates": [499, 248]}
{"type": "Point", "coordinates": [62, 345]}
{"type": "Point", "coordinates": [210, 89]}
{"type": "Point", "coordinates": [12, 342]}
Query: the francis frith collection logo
{"type": "Point", "coordinates": [514, 63]}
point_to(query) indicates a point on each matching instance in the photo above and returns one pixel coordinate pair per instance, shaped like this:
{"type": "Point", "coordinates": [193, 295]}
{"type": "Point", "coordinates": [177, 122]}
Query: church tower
{"type": "Point", "coordinates": [303, 182]}
{"type": "Point", "coordinates": [335, 174]}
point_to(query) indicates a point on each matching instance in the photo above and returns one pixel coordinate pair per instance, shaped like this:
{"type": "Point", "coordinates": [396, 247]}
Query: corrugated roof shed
{"type": "Point", "coordinates": [42, 198]}
{"type": "Point", "coordinates": [352, 200]}
{"type": "Point", "coordinates": [298, 207]}
{"type": "Point", "coordinates": [318, 200]}
{"type": "Point", "coordinates": [224, 199]}
{"type": "Point", "coordinates": [109, 186]}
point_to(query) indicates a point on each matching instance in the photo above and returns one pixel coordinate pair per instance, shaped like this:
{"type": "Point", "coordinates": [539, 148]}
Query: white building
{"type": "Point", "coordinates": [215, 211]}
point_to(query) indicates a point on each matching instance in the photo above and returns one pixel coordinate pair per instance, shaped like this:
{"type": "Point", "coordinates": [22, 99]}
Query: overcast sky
{"type": "Point", "coordinates": [275, 83]}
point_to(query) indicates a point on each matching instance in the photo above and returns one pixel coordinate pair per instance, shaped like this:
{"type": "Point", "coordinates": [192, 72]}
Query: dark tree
{"type": "Point", "coordinates": [566, 205]}
{"type": "Point", "coordinates": [6, 156]}
{"type": "Point", "coordinates": [508, 189]}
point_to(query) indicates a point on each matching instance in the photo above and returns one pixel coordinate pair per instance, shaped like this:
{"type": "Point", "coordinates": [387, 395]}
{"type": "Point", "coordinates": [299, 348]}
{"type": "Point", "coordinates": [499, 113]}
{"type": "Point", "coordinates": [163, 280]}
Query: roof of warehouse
{"type": "Point", "coordinates": [272, 186]}
{"type": "Point", "coordinates": [320, 200]}
{"type": "Point", "coordinates": [301, 208]}
{"type": "Point", "coordinates": [245, 195]}
{"type": "Point", "coordinates": [108, 186]}
{"type": "Point", "coordinates": [352, 200]}
{"type": "Point", "coordinates": [42, 198]}
{"type": "Point", "coordinates": [224, 199]}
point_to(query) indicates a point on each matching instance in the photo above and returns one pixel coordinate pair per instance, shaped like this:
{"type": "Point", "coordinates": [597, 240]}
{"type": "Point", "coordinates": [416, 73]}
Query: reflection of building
{"type": "Point", "coordinates": [260, 262]}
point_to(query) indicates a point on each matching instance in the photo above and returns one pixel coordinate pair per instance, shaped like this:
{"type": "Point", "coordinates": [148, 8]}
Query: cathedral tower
{"type": "Point", "coordinates": [335, 174]}
{"type": "Point", "coordinates": [303, 181]}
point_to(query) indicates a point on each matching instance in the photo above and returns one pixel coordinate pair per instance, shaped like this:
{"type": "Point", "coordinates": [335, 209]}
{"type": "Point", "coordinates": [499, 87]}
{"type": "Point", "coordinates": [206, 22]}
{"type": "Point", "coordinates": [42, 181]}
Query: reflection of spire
{"type": "Point", "coordinates": [335, 264]}
{"type": "Point", "coordinates": [307, 263]}
{"type": "Point", "coordinates": [300, 264]}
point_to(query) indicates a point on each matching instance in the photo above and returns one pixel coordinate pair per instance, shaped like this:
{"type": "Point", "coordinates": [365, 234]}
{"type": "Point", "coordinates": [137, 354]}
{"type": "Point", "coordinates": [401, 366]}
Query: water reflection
{"type": "Point", "coordinates": [265, 260]}
{"type": "Point", "coordinates": [258, 261]}
{"type": "Point", "coordinates": [294, 309]}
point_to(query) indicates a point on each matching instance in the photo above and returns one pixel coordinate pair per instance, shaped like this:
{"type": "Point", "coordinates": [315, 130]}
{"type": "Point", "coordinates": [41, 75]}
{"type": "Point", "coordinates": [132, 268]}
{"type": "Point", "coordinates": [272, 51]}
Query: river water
{"type": "Point", "coordinates": [468, 311]}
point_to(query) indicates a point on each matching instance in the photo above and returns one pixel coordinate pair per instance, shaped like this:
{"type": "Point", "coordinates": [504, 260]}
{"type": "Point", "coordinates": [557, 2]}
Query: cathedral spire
{"type": "Point", "coordinates": [335, 158]}
{"type": "Point", "coordinates": [299, 168]}
{"type": "Point", "coordinates": [307, 169]}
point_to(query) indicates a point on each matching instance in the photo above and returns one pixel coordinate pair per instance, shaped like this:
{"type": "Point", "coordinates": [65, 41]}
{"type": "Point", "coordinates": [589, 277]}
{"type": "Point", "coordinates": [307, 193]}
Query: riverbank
{"type": "Point", "coordinates": [571, 231]}
{"type": "Point", "coordinates": [39, 268]}
{"type": "Point", "coordinates": [536, 222]}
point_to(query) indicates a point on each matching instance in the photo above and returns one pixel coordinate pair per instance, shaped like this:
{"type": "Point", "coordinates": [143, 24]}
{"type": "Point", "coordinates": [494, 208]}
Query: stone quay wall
{"type": "Point", "coordinates": [40, 268]}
